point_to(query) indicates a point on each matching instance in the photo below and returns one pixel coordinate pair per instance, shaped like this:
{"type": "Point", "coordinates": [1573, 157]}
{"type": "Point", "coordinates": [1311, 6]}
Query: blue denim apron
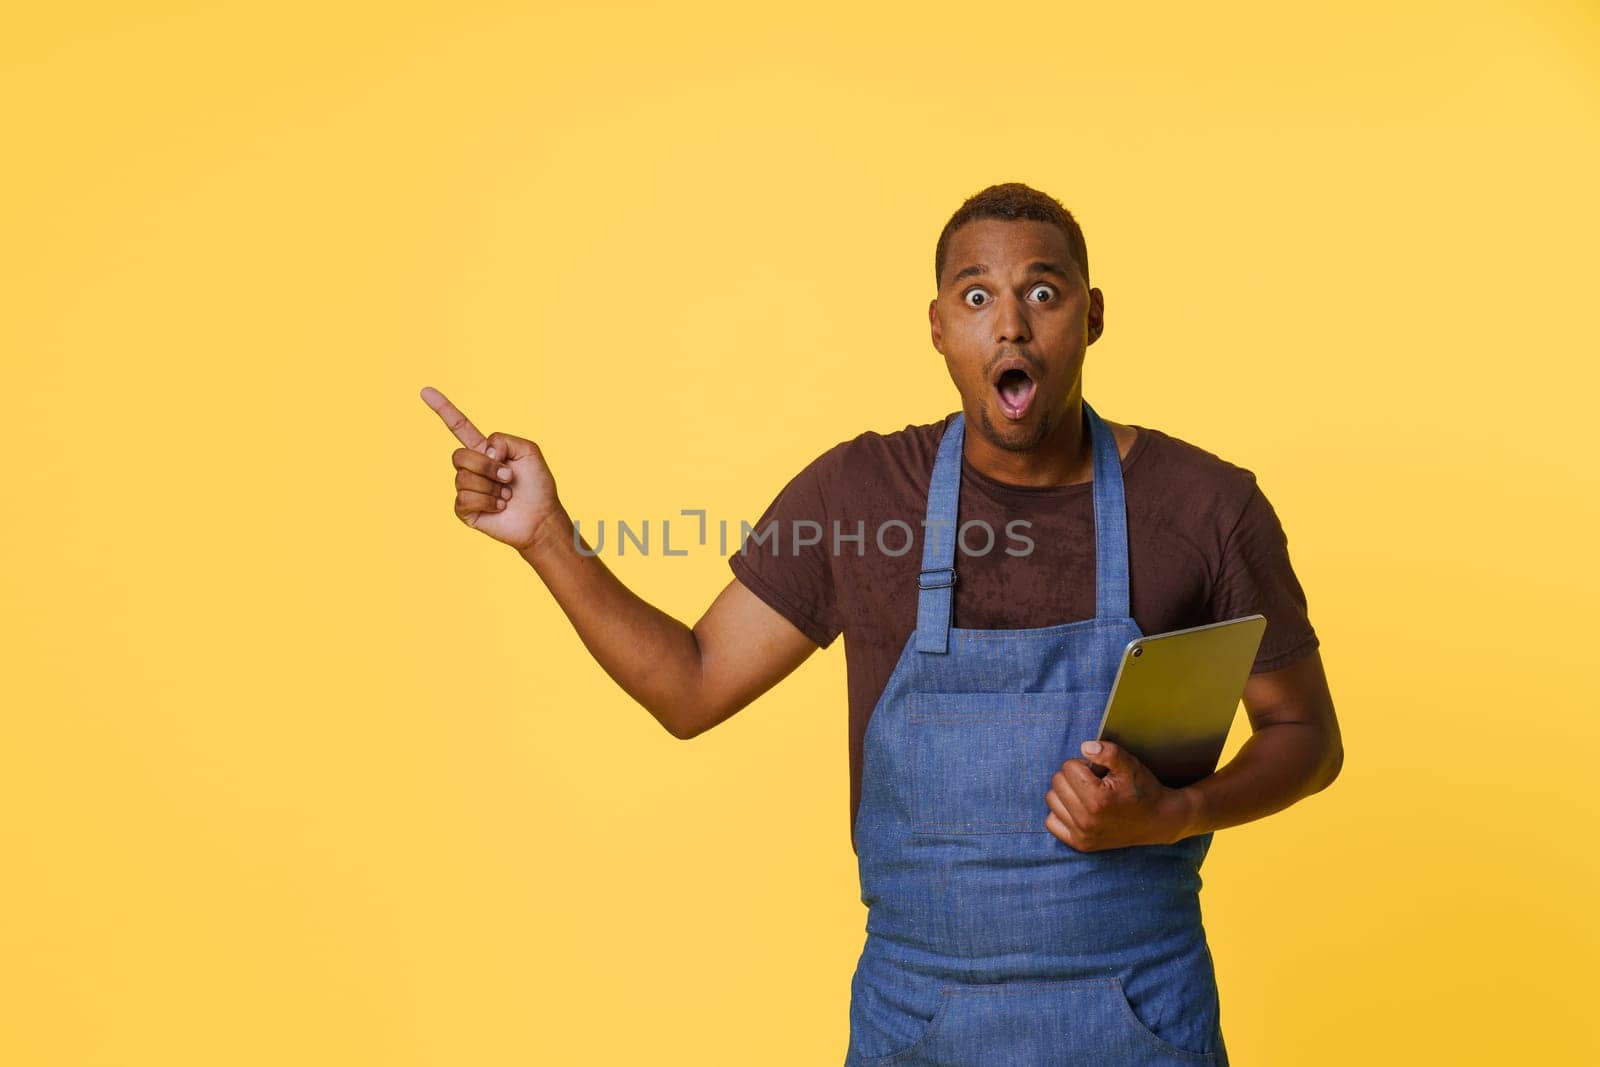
{"type": "Point", "coordinates": [991, 942]}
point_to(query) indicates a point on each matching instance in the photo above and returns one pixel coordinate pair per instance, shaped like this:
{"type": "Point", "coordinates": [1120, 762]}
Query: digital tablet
{"type": "Point", "coordinates": [1175, 695]}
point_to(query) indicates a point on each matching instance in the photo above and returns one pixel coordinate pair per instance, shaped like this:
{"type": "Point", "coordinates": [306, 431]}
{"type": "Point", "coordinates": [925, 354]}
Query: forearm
{"type": "Point", "coordinates": [1275, 767]}
{"type": "Point", "coordinates": [652, 656]}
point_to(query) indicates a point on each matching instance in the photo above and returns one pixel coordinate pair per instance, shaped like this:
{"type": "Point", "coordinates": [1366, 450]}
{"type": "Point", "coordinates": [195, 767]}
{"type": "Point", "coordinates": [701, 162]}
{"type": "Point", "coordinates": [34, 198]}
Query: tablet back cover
{"type": "Point", "coordinates": [1176, 694]}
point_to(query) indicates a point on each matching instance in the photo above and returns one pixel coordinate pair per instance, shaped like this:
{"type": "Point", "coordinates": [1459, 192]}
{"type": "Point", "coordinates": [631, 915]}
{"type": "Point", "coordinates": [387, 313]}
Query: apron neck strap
{"type": "Point", "coordinates": [936, 582]}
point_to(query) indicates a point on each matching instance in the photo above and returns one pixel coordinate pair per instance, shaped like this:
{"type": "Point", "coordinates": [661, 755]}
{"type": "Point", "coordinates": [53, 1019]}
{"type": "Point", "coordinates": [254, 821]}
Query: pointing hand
{"type": "Point", "coordinates": [509, 507]}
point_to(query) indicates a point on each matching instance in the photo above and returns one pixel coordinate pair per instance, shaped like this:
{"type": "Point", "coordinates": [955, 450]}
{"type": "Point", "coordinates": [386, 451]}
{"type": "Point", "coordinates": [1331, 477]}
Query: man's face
{"type": "Point", "coordinates": [1013, 318]}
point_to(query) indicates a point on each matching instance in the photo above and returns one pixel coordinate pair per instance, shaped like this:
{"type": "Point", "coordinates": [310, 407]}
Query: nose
{"type": "Point", "coordinates": [1011, 321]}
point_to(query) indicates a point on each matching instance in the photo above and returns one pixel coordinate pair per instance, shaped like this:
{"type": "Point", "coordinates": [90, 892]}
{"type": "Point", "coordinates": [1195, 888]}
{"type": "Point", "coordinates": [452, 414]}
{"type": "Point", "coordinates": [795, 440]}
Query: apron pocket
{"type": "Point", "coordinates": [905, 1055]}
{"type": "Point", "coordinates": [981, 763]}
{"type": "Point", "coordinates": [1079, 1020]}
{"type": "Point", "coordinates": [1154, 1041]}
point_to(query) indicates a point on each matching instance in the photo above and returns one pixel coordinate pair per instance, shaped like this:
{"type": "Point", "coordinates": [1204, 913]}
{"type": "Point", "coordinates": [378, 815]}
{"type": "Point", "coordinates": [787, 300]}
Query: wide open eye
{"type": "Point", "coordinates": [983, 298]}
{"type": "Point", "coordinates": [1050, 290]}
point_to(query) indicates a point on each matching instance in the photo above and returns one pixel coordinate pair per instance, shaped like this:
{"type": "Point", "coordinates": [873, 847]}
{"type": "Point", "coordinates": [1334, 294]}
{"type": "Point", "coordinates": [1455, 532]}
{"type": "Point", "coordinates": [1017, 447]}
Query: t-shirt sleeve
{"type": "Point", "coordinates": [784, 557]}
{"type": "Point", "coordinates": [1256, 576]}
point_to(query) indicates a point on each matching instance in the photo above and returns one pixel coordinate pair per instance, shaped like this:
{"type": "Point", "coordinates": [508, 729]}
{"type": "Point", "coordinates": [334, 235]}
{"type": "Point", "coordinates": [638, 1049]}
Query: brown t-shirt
{"type": "Point", "coordinates": [1204, 545]}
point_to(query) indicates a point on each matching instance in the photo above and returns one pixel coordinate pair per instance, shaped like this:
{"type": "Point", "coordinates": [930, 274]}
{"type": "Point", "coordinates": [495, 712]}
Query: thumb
{"type": "Point", "coordinates": [505, 446]}
{"type": "Point", "coordinates": [1108, 754]}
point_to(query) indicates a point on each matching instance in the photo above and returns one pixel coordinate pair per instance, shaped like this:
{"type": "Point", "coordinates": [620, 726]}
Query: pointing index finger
{"type": "Point", "coordinates": [459, 424]}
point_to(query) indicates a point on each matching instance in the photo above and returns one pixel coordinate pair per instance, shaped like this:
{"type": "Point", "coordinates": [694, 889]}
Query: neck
{"type": "Point", "coordinates": [1061, 456]}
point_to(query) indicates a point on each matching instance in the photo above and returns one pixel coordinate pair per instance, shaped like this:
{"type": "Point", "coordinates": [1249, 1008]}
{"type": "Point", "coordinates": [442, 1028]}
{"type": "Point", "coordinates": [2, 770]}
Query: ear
{"type": "Point", "coordinates": [933, 325]}
{"type": "Point", "coordinates": [1097, 315]}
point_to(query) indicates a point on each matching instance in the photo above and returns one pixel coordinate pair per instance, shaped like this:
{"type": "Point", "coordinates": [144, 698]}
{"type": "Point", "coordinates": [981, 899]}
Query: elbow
{"type": "Point", "coordinates": [684, 733]}
{"type": "Point", "coordinates": [679, 728]}
{"type": "Point", "coordinates": [1333, 764]}
{"type": "Point", "coordinates": [685, 723]}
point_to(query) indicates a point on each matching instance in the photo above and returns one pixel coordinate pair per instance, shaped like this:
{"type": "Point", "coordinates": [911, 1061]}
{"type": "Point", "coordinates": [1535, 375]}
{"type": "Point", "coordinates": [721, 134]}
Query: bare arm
{"type": "Point", "coordinates": [689, 679]}
{"type": "Point", "coordinates": [1294, 750]}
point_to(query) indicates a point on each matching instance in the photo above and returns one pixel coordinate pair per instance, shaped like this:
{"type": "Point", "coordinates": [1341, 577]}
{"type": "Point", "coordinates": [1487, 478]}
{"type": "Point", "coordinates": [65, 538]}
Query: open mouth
{"type": "Point", "coordinates": [1015, 387]}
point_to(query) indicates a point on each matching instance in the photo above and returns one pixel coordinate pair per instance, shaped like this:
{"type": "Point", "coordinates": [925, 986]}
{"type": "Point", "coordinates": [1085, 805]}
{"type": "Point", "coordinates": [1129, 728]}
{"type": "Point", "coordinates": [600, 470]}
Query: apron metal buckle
{"type": "Point", "coordinates": [949, 580]}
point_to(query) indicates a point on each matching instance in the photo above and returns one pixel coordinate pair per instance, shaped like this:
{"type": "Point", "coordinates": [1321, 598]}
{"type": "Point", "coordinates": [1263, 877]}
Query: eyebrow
{"type": "Point", "coordinates": [1038, 267]}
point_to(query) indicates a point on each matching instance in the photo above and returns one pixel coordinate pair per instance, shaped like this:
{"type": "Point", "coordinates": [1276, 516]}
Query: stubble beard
{"type": "Point", "coordinates": [1014, 441]}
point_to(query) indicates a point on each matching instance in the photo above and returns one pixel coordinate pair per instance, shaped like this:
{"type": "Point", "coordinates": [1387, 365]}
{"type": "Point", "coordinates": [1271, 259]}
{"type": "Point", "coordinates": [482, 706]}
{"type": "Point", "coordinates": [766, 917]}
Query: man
{"type": "Point", "coordinates": [1022, 909]}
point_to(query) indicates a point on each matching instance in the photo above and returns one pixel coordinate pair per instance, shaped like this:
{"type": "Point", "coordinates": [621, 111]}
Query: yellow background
{"type": "Point", "coordinates": [295, 768]}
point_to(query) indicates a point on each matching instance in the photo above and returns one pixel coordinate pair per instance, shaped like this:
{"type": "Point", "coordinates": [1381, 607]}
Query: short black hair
{"type": "Point", "coordinates": [1013, 200]}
